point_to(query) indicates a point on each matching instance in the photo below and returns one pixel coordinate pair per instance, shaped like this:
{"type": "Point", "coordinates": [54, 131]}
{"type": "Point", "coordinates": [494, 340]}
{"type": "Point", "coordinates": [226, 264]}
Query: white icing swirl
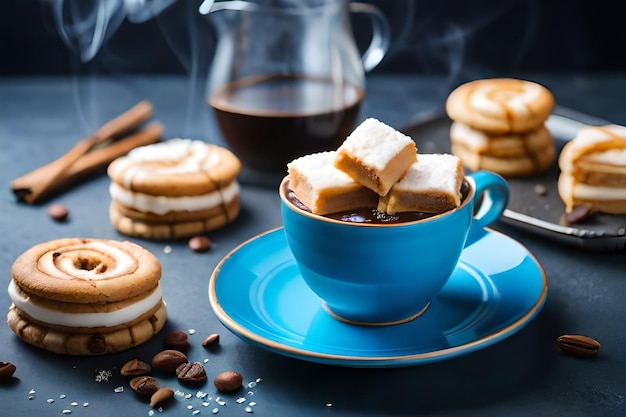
{"type": "Point", "coordinates": [63, 263]}
{"type": "Point", "coordinates": [170, 157]}
{"type": "Point", "coordinates": [59, 318]}
{"type": "Point", "coordinates": [605, 144]}
{"type": "Point", "coordinates": [161, 205]}
{"type": "Point", "coordinates": [490, 98]}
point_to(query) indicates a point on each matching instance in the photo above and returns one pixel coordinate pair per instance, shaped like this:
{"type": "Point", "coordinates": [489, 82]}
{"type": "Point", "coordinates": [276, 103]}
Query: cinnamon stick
{"type": "Point", "coordinates": [30, 187]}
{"type": "Point", "coordinates": [97, 160]}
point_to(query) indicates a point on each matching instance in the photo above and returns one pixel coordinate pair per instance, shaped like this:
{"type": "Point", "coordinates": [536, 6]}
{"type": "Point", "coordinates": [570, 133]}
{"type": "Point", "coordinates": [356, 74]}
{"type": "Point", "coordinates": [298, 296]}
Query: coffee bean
{"type": "Point", "coordinates": [578, 345]}
{"type": "Point", "coordinates": [7, 369]}
{"type": "Point", "coordinates": [211, 340]}
{"type": "Point", "coordinates": [135, 367]}
{"type": "Point", "coordinates": [168, 360]}
{"type": "Point", "coordinates": [191, 372]}
{"type": "Point", "coordinates": [160, 396]}
{"type": "Point", "coordinates": [228, 381]}
{"type": "Point", "coordinates": [58, 212]}
{"type": "Point", "coordinates": [176, 340]}
{"type": "Point", "coordinates": [579, 214]}
{"type": "Point", "coordinates": [144, 385]}
{"type": "Point", "coordinates": [200, 244]}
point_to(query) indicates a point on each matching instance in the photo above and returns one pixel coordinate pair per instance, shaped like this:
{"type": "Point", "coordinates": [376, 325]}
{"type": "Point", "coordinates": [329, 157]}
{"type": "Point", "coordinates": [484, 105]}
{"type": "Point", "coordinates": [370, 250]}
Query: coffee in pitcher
{"type": "Point", "coordinates": [270, 120]}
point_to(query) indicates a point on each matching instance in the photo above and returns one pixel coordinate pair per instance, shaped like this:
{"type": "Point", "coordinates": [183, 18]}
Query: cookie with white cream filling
{"type": "Point", "coordinates": [86, 296]}
{"type": "Point", "coordinates": [179, 188]}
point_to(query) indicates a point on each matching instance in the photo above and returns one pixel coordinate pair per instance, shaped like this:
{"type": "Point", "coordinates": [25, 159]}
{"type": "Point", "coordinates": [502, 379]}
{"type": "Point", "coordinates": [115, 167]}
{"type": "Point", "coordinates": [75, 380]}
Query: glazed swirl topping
{"type": "Point", "coordinates": [92, 261]}
{"type": "Point", "coordinates": [608, 142]}
{"type": "Point", "coordinates": [174, 156]}
{"type": "Point", "coordinates": [505, 97]}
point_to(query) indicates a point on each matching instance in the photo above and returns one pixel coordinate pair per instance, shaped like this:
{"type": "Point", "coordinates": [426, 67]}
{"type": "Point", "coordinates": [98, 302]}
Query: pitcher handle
{"type": "Point", "coordinates": [495, 197]}
{"type": "Point", "coordinates": [381, 35]}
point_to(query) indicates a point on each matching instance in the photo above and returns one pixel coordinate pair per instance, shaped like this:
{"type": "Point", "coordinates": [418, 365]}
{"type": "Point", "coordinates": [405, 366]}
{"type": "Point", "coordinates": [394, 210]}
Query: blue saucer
{"type": "Point", "coordinates": [258, 294]}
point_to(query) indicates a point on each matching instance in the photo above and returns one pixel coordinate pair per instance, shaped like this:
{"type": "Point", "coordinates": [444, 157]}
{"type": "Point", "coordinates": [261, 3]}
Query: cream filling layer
{"type": "Point", "coordinates": [594, 192]}
{"type": "Point", "coordinates": [59, 318]}
{"type": "Point", "coordinates": [584, 191]}
{"type": "Point", "coordinates": [161, 205]}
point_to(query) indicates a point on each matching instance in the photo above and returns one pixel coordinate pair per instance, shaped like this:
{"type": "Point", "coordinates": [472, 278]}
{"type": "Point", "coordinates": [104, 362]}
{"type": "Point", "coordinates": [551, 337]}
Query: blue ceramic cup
{"type": "Point", "coordinates": [384, 274]}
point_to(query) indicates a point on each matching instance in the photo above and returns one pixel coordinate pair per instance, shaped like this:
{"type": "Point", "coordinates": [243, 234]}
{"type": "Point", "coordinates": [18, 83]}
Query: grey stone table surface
{"type": "Point", "coordinates": [524, 375]}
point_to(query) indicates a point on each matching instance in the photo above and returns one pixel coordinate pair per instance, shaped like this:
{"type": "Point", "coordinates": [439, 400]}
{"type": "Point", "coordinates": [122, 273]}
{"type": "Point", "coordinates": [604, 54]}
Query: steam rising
{"type": "Point", "coordinates": [86, 26]}
{"type": "Point", "coordinates": [429, 38]}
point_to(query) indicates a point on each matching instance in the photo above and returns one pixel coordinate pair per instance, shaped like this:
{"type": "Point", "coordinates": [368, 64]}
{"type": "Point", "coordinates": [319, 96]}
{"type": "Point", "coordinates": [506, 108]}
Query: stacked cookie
{"type": "Point", "coordinates": [376, 166]}
{"type": "Point", "coordinates": [593, 170]}
{"type": "Point", "coordinates": [174, 189]}
{"type": "Point", "coordinates": [499, 125]}
{"type": "Point", "coordinates": [86, 296]}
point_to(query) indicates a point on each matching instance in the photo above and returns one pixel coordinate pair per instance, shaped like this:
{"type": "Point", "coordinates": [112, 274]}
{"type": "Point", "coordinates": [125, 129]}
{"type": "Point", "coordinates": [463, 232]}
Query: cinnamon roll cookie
{"type": "Point", "coordinates": [86, 296]}
{"type": "Point", "coordinates": [500, 105]}
{"type": "Point", "coordinates": [174, 189]}
{"type": "Point", "coordinates": [593, 170]}
{"type": "Point", "coordinates": [499, 125]}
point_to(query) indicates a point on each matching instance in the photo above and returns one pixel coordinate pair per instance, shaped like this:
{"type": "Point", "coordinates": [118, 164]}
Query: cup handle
{"type": "Point", "coordinates": [380, 37]}
{"type": "Point", "coordinates": [495, 194]}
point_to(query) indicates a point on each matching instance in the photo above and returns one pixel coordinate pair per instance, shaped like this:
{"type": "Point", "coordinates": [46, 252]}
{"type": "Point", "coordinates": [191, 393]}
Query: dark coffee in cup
{"type": "Point", "coordinates": [270, 120]}
{"type": "Point", "coordinates": [370, 215]}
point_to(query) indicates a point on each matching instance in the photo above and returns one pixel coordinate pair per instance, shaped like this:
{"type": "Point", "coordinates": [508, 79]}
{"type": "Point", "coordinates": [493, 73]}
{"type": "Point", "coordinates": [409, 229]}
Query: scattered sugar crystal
{"type": "Point", "coordinates": [205, 404]}
{"type": "Point", "coordinates": [249, 409]}
{"type": "Point", "coordinates": [192, 331]}
{"type": "Point", "coordinates": [85, 404]}
{"type": "Point", "coordinates": [258, 380]}
{"type": "Point", "coordinates": [67, 411]}
{"type": "Point", "coordinates": [50, 400]}
{"type": "Point", "coordinates": [220, 401]}
{"type": "Point", "coordinates": [62, 396]}
{"type": "Point", "coordinates": [103, 375]}
{"type": "Point", "coordinates": [151, 413]}
{"type": "Point", "coordinates": [179, 395]}
{"type": "Point", "coordinates": [118, 389]}
{"type": "Point", "coordinates": [167, 249]}
{"type": "Point", "coordinates": [215, 410]}
{"type": "Point", "coordinates": [201, 394]}
{"type": "Point", "coordinates": [329, 404]}
{"type": "Point", "coordinates": [188, 396]}
{"type": "Point", "coordinates": [252, 384]}
{"type": "Point", "coordinates": [540, 189]}
{"type": "Point", "coordinates": [251, 403]}
{"type": "Point", "coordinates": [31, 392]}
{"type": "Point", "coordinates": [190, 407]}
{"type": "Point", "coordinates": [250, 392]}
{"type": "Point", "coordinates": [196, 412]}
{"type": "Point", "coordinates": [241, 400]}
{"type": "Point", "coordinates": [206, 360]}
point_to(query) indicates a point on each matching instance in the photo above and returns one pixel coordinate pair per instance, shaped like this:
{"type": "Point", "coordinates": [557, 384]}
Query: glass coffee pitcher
{"type": "Point", "coordinates": [287, 78]}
